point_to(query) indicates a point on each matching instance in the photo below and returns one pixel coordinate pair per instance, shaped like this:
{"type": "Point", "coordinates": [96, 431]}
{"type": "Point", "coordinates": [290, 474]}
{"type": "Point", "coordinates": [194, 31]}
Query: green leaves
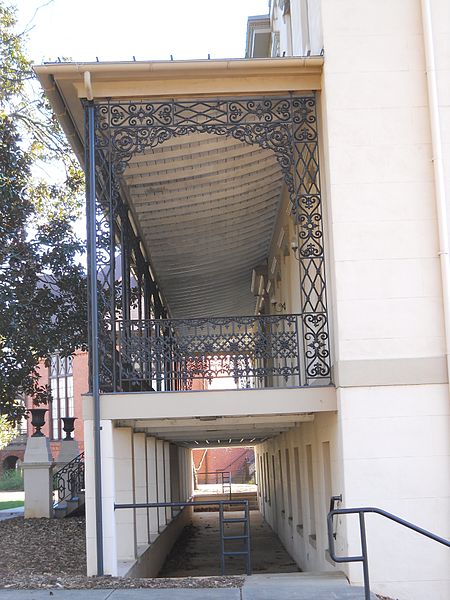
{"type": "Point", "coordinates": [42, 280]}
{"type": "Point", "coordinates": [15, 68]}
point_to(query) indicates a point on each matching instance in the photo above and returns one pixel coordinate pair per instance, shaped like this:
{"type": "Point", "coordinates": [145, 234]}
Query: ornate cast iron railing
{"type": "Point", "coordinates": [184, 354]}
{"type": "Point", "coordinates": [117, 132]}
{"type": "Point", "coordinates": [68, 482]}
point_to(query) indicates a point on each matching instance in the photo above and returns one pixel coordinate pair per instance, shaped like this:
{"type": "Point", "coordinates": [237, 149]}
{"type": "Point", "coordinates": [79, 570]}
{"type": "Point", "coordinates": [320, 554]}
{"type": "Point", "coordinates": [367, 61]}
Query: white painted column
{"type": "Point", "coordinates": [124, 474]}
{"type": "Point", "coordinates": [140, 487]}
{"type": "Point", "coordinates": [89, 498]}
{"type": "Point", "coordinates": [108, 495]}
{"type": "Point", "coordinates": [37, 478]}
{"type": "Point", "coordinates": [160, 483]}
{"type": "Point", "coordinates": [182, 472]}
{"type": "Point", "coordinates": [190, 479]}
{"type": "Point", "coordinates": [152, 487]}
{"type": "Point", "coordinates": [167, 486]}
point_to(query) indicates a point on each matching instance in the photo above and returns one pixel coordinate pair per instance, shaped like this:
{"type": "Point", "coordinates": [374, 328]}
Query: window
{"type": "Point", "coordinates": [61, 385]}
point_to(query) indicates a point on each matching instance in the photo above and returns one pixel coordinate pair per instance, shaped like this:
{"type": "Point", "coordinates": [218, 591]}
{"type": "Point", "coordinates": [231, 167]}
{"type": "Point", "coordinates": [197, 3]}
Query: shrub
{"type": "Point", "coordinates": [11, 479]}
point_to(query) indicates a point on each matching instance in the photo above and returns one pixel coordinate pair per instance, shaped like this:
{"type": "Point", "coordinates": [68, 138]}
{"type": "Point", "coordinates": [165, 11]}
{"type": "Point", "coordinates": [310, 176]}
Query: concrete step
{"type": "Point", "coordinates": [301, 586]}
{"type": "Point", "coordinates": [250, 496]}
{"type": "Point", "coordinates": [66, 508]}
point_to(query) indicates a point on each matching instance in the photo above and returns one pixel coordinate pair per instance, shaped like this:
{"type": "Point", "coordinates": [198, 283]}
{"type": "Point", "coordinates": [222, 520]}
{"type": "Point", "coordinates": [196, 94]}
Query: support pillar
{"type": "Point", "coordinates": [167, 486]}
{"type": "Point", "coordinates": [140, 488]}
{"type": "Point", "coordinates": [37, 477]}
{"type": "Point", "coordinates": [153, 525]}
{"type": "Point", "coordinates": [108, 493]}
{"type": "Point", "coordinates": [124, 475]}
{"type": "Point", "coordinates": [160, 483]}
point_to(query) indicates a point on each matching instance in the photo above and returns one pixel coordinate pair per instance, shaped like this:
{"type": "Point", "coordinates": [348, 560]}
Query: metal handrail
{"type": "Point", "coordinates": [69, 480]}
{"type": "Point", "coordinates": [220, 475]}
{"type": "Point", "coordinates": [190, 502]}
{"type": "Point", "coordinates": [361, 511]}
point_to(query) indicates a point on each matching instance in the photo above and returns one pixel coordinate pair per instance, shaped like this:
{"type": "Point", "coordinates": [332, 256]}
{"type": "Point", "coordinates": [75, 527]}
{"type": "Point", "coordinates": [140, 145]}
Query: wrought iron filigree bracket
{"type": "Point", "coordinates": [285, 125]}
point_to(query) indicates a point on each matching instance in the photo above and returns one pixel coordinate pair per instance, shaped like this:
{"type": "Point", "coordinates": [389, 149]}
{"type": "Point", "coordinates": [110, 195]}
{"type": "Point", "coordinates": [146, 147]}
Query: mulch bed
{"type": "Point", "coordinates": [51, 553]}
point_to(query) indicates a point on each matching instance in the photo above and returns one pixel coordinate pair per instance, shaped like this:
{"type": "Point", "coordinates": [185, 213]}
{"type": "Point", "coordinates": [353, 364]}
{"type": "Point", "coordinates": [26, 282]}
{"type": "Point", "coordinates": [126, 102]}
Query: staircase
{"type": "Point", "coordinates": [68, 486]}
{"type": "Point", "coordinates": [250, 496]}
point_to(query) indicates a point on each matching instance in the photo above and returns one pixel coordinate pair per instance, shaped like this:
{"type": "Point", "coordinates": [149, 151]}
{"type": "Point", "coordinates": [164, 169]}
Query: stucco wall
{"type": "Point", "coordinates": [295, 495]}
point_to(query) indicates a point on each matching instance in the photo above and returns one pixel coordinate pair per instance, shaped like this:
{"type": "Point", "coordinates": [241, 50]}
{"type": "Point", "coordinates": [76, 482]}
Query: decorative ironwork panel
{"type": "Point", "coordinates": [285, 125]}
{"type": "Point", "coordinates": [259, 351]}
{"type": "Point", "coordinates": [68, 482]}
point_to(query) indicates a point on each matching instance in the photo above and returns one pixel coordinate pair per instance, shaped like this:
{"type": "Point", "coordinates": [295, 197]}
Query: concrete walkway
{"type": "Point", "coordinates": [197, 552]}
{"type": "Point", "coordinates": [10, 513]}
{"type": "Point", "coordinates": [287, 586]}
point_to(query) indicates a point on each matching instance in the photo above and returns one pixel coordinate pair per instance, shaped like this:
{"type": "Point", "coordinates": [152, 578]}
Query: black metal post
{"type": "Point", "coordinates": [365, 562]}
{"type": "Point", "coordinates": [94, 346]}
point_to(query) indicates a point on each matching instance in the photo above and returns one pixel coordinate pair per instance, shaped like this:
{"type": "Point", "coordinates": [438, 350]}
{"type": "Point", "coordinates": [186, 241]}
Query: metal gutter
{"type": "Point", "coordinates": [172, 66]}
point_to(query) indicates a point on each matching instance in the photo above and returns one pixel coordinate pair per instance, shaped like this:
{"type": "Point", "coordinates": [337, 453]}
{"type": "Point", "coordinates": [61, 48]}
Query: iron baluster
{"type": "Point", "coordinates": [69, 480]}
{"type": "Point", "coordinates": [262, 349]}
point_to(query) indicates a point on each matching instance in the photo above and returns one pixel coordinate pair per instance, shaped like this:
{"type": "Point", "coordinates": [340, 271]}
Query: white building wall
{"type": "Point", "coordinates": [384, 290]}
{"type": "Point", "coordinates": [396, 455]}
{"type": "Point", "coordinates": [295, 500]}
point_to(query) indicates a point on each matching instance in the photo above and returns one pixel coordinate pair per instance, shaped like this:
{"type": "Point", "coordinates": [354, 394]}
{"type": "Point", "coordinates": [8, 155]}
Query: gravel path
{"type": "Point", "coordinates": [51, 553]}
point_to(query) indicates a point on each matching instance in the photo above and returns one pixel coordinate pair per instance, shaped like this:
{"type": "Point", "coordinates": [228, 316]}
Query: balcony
{"type": "Point", "coordinates": [206, 207]}
{"type": "Point", "coordinates": [240, 352]}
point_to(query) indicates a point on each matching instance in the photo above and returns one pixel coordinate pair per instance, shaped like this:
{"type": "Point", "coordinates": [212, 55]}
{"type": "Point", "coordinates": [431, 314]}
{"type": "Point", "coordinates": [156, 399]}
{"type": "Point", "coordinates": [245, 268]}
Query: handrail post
{"type": "Point", "coordinates": [362, 528]}
{"type": "Point", "coordinates": [365, 562]}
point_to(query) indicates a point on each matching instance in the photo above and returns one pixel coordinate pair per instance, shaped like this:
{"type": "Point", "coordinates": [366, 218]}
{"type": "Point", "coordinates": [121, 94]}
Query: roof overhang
{"type": "Point", "coordinates": [65, 84]}
{"type": "Point", "coordinates": [205, 206]}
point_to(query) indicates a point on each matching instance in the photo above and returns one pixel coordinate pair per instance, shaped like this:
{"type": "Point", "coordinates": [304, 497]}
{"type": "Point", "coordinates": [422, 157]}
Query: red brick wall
{"type": "Point", "coordinates": [8, 451]}
{"type": "Point", "coordinates": [80, 387]}
{"type": "Point", "coordinates": [220, 459]}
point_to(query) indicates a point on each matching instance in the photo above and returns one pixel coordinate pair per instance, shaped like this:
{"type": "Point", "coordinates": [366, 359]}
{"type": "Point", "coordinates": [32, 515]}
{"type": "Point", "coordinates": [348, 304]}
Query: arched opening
{"type": "Point", "coordinates": [11, 462]}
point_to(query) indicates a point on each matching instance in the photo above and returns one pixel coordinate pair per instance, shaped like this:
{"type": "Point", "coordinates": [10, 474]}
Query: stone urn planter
{"type": "Point", "coordinates": [38, 420]}
{"type": "Point", "coordinates": [68, 426]}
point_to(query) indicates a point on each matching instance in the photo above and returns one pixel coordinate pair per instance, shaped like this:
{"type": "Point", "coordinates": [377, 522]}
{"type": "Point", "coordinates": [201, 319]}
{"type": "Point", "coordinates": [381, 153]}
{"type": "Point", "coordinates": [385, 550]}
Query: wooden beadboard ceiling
{"type": "Point", "coordinates": [206, 206]}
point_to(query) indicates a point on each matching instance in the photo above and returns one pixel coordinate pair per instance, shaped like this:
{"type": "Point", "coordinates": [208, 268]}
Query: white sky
{"type": "Point", "coordinates": [147, 29]}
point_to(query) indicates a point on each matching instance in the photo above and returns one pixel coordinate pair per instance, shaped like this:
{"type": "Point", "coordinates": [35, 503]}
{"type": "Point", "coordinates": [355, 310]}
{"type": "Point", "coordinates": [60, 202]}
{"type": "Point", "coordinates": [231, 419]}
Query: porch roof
{"type": "Point", "coordinates": [64, 83]}
{"type": "Point", "coordinates": [205, 206]}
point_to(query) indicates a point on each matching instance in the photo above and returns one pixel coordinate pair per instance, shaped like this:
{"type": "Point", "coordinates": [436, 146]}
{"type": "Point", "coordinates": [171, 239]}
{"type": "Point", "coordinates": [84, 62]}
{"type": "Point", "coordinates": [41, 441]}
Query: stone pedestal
{"type": "Point", "coordinates": [37, 476]}
{"type": "Point", "coordinates": [68, 450]}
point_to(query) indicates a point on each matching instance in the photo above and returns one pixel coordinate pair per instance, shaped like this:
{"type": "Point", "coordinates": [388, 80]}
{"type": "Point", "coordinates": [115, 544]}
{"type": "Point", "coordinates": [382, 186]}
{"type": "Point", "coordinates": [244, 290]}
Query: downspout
{"type": "Point", "coordinates": [438, 166]}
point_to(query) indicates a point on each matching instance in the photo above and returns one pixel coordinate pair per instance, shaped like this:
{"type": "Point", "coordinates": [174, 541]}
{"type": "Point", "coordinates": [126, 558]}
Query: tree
{"type": "Point", "coordinates": [42, 283]}
{"type": "Point", "coordinates": [7, 432]}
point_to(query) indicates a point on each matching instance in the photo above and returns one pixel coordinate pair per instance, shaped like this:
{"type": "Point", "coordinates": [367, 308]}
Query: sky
{"type": "Point", "coordinates": [83, 30]}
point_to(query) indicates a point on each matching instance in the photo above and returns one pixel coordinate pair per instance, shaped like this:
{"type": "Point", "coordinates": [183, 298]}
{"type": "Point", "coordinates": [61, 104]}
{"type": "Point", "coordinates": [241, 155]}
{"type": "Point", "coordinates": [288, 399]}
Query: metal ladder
{"type": "Point", "coordinates": [226, 483]}
{"type": "Point", "coordinates": [244, 537]}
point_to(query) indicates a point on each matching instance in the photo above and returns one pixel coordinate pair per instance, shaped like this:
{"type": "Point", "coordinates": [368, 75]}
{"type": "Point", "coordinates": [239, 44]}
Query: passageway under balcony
{"type": "Point", "coordinates": [197, 552]}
